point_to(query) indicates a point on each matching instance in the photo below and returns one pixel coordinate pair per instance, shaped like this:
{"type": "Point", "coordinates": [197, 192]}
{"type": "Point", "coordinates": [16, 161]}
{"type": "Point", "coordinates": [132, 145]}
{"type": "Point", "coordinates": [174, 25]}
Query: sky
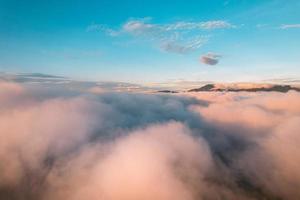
{"type": "Point", "coordinates": [152, 41]}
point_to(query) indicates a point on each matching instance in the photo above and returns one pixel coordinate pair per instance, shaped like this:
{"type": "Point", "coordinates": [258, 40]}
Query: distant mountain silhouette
{"type": "Point", "coordinates": [237, 88]}
{"type": "Point", "coordinates": [167, 91]}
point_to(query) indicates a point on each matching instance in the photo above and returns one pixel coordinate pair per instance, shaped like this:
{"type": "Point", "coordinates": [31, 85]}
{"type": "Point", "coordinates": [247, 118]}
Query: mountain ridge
{"type": "Point", "coordinates": [245, 88]}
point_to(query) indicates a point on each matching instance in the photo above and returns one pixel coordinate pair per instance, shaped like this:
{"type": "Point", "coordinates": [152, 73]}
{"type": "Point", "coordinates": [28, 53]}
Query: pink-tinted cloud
{"type": "Point", "coordinates": [57, 144]}
{"type": "Point", "coordinates": [270, 122]}
{"type": "Point", "coordinates": [151, 163]}
{"type": "Point", "coordinates": [210, 59]}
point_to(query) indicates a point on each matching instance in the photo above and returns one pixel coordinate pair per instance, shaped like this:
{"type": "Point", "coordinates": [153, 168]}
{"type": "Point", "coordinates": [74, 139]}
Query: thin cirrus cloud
{"type": "Point", "coordinates": [210, 58]}
{"type": "Point", "coordinates": [289, 26]}
{"type": "Point", "coordinates": [183, 47]}
{"type": "Point", "coordinates": [179, 37]}
{"type": "Point", "coordinates": [144, 26]}
{"type": "Point", "coordinates": [208, 25]}
{"type": "Point", "coordinates": [102, 28]}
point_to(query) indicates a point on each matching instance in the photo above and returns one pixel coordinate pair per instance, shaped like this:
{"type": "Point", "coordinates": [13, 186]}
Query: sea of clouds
{"type": "Point", "coordinates": [76, 145]}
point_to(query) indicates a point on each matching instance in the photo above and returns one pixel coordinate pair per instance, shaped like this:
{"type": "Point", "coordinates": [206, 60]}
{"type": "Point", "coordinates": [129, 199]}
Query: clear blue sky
{"type": "Point", "coordinates": [152, 41]}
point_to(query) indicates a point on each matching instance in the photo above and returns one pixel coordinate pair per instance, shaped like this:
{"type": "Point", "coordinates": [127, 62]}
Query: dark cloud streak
{"type": "Point", "coordinates": [210, 59]}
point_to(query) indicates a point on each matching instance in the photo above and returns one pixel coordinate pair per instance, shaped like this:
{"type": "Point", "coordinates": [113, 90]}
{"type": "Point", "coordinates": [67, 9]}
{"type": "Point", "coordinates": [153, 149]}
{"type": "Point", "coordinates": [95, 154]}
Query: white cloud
{"type": "Point", "coordinates": [144, 26]}
{"type": "Point", "coordinates": [185, 47]}
{"type": "Point", "coordinates": [208, 25]}
{"type": "Point", "coordinates": [139, 27]}
{"type": "Point", "coordinates": [214, 25]}
{"type": "Point", "coordinates": [102, 28]}
{"type": "Point", "coordinates": [178, 37]}
{"type": "Point", "coordinates": [288, 26]}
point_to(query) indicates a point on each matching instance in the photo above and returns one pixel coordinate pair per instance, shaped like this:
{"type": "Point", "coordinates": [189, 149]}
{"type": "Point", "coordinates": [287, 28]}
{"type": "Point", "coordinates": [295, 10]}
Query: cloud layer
{"type": "Point", "coordinates": [119, 146]}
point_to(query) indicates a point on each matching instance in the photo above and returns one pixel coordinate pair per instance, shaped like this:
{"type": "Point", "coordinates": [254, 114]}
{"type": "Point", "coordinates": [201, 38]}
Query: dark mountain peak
{"type": "Point", "coordinates": [207, 87]}
{"type": "Point", "coordinates": [244, 87]}
{"type": "Point", "coordinates": [167, 91]}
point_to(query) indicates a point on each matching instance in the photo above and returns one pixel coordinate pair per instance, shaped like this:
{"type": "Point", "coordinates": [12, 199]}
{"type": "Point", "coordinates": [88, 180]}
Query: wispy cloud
{"type": "Point", "coordinates": [140, 26]}
{"type": "Point", "coordinates": [170, 37]}
{"type": "Point", "coordinates": [102, 28]}
{"type": "Point", "coordinates": [183, 47]}
{"type": "Point", "coordinates": [261, 25]}
{"type": "Point", "coordinates": [208, 25]}
{"type": "Point", "coordinates": [145, 27]}
{"type": "Point", "coordinates": [288, 26]}
{"type": "Point", "coordinates": [177, 37]}
{"type": "Point", "coordinates": [210, 58]}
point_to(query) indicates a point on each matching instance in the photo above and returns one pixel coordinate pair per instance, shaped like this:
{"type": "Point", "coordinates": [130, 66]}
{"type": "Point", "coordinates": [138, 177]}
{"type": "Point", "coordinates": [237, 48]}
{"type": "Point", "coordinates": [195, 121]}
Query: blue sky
{"type": "Point", "coordinates": [152, 41]}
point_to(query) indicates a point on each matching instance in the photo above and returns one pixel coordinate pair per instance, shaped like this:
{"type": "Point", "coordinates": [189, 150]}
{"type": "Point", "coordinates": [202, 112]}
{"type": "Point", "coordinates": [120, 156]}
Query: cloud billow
{"type": "Point", "coordinates": [121, 146]}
